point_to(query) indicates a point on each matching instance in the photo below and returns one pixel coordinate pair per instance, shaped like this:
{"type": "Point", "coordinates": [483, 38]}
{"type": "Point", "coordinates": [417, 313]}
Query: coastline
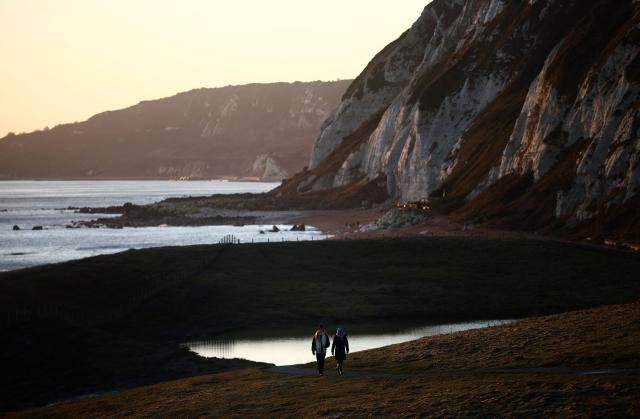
{"type": "Point", "coordinates": [340, 224]}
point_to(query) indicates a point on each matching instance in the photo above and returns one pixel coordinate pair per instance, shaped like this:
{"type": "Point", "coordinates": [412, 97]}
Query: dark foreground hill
{"type": "Point", "coordinates": [542, 367]}
{"type": "Point", "coordinates": [256, 130]}
{"type": "Point", "coordinates": [115, 321]}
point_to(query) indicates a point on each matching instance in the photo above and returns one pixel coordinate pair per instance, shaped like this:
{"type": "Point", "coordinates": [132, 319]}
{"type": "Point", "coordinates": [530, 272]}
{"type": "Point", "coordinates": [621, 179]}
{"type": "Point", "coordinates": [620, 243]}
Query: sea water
{"type": "Point", "coordinates": [45, 203]}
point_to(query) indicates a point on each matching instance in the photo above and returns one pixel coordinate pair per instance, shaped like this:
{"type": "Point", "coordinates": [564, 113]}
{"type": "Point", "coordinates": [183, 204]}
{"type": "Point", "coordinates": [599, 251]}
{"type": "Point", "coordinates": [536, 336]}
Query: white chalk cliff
{"type": "Point", "coordinates": [478, 93]}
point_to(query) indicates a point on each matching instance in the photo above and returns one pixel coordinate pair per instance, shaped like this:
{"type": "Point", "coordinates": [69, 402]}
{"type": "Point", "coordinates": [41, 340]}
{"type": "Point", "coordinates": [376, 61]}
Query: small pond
{"type": "Point", "coordinates": [274, 347]}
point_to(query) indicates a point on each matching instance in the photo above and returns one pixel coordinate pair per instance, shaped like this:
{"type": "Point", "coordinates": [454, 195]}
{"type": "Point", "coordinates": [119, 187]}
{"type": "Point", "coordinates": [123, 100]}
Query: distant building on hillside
{"type": "Point", "coordinates": [421, 205]}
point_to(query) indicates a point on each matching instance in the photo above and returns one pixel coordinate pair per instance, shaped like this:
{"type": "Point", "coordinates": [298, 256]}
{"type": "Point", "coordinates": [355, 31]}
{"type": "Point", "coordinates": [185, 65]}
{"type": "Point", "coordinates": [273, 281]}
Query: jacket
{"type": "Point", "coordinates": [340, 347]}
{"type": "Point", "coordinates": [319, 346]}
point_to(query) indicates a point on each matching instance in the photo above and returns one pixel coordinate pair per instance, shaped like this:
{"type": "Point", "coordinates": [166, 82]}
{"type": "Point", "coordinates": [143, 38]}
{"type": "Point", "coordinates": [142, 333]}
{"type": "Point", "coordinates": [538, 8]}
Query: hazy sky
{"type": "Point", "coordinates": [65, 60]}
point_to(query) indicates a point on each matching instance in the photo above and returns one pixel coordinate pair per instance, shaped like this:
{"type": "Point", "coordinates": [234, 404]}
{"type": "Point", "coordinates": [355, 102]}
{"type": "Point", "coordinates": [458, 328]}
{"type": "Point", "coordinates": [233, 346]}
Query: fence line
{"type": "Point", "coordinates": [229, 239]}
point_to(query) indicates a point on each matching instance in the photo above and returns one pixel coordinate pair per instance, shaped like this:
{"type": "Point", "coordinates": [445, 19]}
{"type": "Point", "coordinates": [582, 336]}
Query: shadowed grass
{"type": "Point", "coordinates": [606, 337]}
{"type": "Point", "coordinates": [254, 393]}
{"type": "Point", "coordinates": [140, 304]}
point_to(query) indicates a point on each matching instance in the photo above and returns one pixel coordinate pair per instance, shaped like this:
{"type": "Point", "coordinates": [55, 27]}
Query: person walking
{"type": "Point", "coordinates": [319, 345]}
{"type": "Point", "coordinates": [340, 348]}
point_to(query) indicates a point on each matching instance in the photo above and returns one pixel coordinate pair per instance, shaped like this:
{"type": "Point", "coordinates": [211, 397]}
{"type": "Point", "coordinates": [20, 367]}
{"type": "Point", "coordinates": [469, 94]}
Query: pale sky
{"type": "Point", "coordinates": [65, 60]}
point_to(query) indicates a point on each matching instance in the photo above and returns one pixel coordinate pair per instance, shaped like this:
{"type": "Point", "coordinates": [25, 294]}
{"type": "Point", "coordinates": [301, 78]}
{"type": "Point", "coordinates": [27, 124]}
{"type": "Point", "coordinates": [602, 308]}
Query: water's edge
{"type": "Point", "coordinates": [296, 349]}
{"type": "Point", "coordinates": [47, 232]}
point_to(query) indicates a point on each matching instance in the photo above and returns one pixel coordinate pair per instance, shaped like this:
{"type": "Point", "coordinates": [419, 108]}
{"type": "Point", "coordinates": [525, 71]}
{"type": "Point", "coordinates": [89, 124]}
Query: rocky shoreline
{"type": "Point", "coordinates": [176, 221]}
{"type": "Point", "coordinates": [179, 213]}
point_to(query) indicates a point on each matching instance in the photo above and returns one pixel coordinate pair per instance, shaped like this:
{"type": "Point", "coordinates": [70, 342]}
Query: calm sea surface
{"type": "Point", "coordinates": [43, 203]}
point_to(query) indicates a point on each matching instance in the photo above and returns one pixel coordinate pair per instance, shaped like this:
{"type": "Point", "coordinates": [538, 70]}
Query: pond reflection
{"type": "Point", "coordinates": [263, 346]}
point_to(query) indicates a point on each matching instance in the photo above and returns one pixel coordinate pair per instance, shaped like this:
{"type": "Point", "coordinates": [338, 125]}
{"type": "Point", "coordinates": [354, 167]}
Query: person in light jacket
{"type": "Point", "coordinates": [340, 348]}
{"type": "Point", "coordinates": [319, 345]}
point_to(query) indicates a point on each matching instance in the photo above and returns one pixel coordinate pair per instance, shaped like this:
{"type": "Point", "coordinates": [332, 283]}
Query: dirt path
{"type": "Point", "coordinates": [305, 371]}
{"type": "Point", "coordinates": [343, 224]}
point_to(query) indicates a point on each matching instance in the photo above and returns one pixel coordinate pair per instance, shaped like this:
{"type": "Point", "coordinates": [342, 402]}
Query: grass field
{"type": "Point", "coordinates": [605, 337]}
{"type": "Point", "coordinates": [431, 391]}
{"type": "Point", "coordinates": [114, 322]}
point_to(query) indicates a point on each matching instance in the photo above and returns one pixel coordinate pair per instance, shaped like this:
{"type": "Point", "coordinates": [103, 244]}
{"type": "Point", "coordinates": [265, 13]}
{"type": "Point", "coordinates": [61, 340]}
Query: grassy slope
{"type": "Point", "coordinates": [614, 342]}
{"type": "Point", "coordinates": [139, 304]}
{"type": "Point", "coordinates": [605, 337]}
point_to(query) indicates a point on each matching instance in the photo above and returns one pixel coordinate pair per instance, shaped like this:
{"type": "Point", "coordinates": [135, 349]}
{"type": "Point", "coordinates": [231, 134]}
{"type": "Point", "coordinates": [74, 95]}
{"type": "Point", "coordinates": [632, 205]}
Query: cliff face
{"type": "Point", "coordinates": [259, 130]}
{"type": "Point", "coordinates": [523, 111]}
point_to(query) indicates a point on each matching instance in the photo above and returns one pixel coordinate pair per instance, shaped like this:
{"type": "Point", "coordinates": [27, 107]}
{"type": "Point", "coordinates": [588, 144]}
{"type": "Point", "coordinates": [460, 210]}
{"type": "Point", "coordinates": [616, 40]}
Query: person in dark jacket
{"type": "Point", "coordinates": [340, 348]}
{"type": "Point", "coordinates": [319, 345]}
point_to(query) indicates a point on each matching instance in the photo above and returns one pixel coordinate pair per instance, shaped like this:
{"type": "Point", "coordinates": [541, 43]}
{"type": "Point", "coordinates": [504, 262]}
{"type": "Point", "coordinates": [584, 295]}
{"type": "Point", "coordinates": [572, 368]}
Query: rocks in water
{"type": "Point", "coordinates": [16, 228]}
{"type": "Point", "coordinates": [298, 227]}
{"type": "Point", "coordinates": [37, 228]}
{"type": "Point", "coordinates": [274, 229]}
{"type": "Point", "coordinates": [400, 217]}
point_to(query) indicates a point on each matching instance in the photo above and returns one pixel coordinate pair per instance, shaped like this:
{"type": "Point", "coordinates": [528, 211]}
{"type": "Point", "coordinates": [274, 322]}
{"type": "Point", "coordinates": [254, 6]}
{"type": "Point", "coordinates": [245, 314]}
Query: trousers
{"type": "Point", "coordinates": [320, 359]}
